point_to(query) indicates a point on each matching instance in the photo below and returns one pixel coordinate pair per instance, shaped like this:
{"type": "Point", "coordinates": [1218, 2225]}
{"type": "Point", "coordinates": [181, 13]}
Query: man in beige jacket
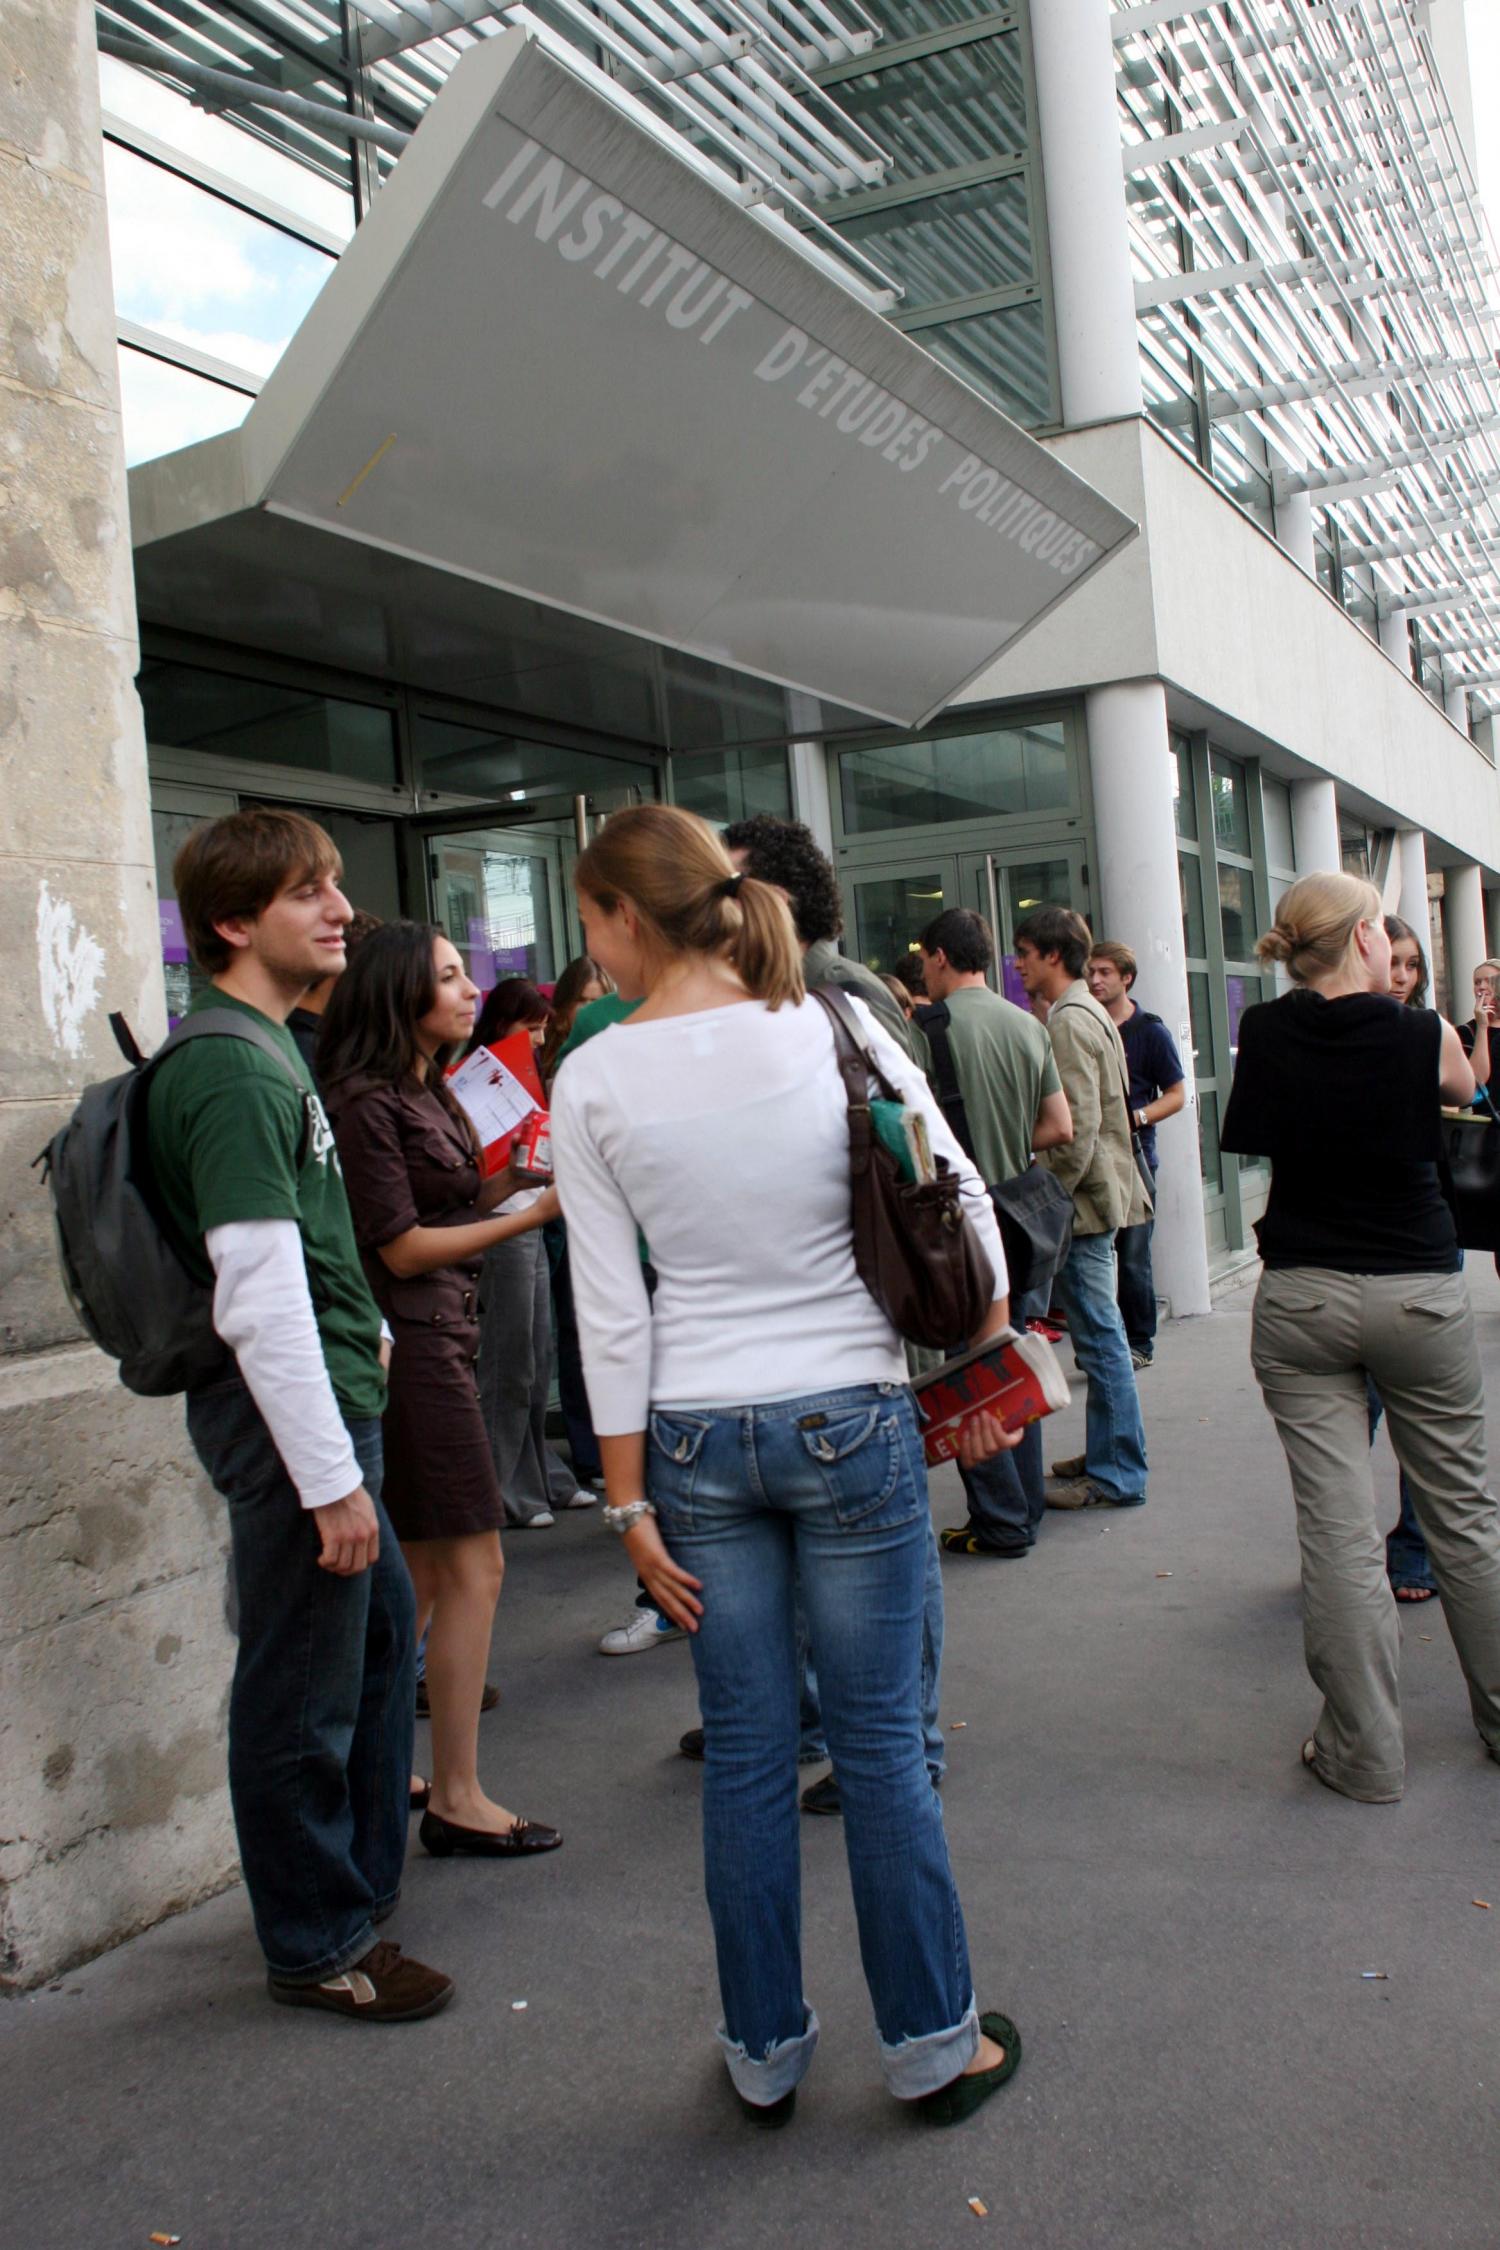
{"type": "Point", "coordinates": [1098, 1167]}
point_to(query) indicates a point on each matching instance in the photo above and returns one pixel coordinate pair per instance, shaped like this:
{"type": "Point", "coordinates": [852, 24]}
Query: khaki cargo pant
{"type": "Point", "coordinates": [1315, 1333]}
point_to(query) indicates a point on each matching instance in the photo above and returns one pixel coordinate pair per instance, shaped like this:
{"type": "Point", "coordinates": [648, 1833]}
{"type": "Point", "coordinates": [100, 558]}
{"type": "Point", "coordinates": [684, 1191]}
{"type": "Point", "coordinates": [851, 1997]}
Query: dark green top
{"type": "Point", "coordinates": [594, 1015]}
{"type": "Point", "coordinates": [225, 1126]}
{"type": "Point", "coordinates": [824, 964]}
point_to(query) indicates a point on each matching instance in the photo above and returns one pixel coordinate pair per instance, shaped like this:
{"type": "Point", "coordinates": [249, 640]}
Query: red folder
{"type": "Point", "coordinates": [1016, 1377]}
{"type": "Point", "coordinates": [518, 1054]}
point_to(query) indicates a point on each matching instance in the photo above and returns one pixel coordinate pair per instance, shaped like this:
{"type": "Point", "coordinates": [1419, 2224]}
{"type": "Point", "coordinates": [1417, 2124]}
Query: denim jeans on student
{"type": "Point", "coordinates": [321, 1710]}
{"type": "Point", "coordinates": [1136, 1288]}
{"type": "Point", "coordinates": [1407, 1562]}
{"type": "Point", "coordinates": [826, 1493]}
{"type": "Point", "coordinates": [1007, 1494]}
{"type": "Point", "coordinates": [814, 1743]}
{"type": "Point", "coordinates": [1114, 1437]}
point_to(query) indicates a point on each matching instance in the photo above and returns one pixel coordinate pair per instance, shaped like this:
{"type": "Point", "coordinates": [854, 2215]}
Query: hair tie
{"type": "Point", "coordinates": [730, 887]}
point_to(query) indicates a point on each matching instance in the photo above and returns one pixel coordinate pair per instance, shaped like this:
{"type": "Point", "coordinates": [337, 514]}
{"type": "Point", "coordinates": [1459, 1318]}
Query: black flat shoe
{"type": "Point", "coordinates": [959, 2099]}
{"type": "Point", "coordinates": [690, 1745]}
{"type": "Point", "coordinates": [771, 2114]}
{"type": "Point", "coordinates": [419, 1796]}
{"type": "Point", "coordinates": [444, 1837]}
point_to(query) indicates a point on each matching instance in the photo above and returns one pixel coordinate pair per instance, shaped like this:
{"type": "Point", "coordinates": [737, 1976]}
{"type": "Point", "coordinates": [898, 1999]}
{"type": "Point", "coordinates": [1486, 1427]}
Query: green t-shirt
{"type": "Point", "coordinates": [224, 1125]}
{"type": "Point", "coordinates": [1005, 1068]}
{"type": "Point", "coordinates": [594, 1015]}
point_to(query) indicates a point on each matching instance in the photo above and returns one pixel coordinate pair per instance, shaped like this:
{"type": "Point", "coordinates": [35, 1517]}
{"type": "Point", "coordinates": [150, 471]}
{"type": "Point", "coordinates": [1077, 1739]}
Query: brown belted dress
{"type": "Point", "coordinates": [407, 1162]}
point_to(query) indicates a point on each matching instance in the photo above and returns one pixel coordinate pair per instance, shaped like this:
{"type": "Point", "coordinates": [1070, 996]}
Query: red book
{"type": "Point", "coordinates": [1015, 1377]}
{"type": "Point", "coordinates": [500, 1087]}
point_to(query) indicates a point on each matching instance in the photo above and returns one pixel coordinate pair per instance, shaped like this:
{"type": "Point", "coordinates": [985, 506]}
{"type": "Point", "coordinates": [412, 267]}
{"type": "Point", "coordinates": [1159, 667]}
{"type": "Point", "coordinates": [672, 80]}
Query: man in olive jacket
{"type": "Point", "coordinates": [1098, 1166]}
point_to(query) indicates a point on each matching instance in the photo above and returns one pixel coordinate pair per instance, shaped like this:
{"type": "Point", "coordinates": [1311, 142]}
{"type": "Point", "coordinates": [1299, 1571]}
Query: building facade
{"type": "Point", "coordinates": [1226, 263]}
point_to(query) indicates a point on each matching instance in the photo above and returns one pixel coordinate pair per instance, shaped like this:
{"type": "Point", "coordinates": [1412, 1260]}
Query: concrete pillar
{"type": "Point", "coordinates": [1093, 294]}
{"type": "Point", "coordinates": [1140, 902]}
{"type": "Point", "coordinates": [1315, 827]}
{"type": "Point", "coordinates": [1411, 899]}
{"type": "Point", "coordinates": [1492, 925]}
{"type": "Point", "coordinates": [1456, 707]}
{"type": "Point", "coordinates": [811, 801]}
{"type": "Point", "coordinates": [1395, 638]}
{"type": "Point", "coordinates": [113, 1653]}
{"type": "Point", "coordinates": [1294, 529]}
{"type": "Point", "coordinates": [1465, 937]}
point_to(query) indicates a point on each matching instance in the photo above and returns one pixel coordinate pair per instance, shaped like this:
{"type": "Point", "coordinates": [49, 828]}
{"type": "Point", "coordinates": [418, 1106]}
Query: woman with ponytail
{"type": "Point", "coordinates": [1342, 1087]}
{"type": "Point", "coordinates": [758, 1438]}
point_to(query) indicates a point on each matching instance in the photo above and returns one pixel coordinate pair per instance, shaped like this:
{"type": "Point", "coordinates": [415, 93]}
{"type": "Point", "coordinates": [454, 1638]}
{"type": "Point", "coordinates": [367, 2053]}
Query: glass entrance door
{"type": "Point", "coordinates": [500, 893]}
{"type": "Point", "coordinates": [890, 905]}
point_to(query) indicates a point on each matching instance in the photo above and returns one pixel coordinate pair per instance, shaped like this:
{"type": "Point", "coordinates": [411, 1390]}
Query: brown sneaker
{"type": "Point", "coordinates": [384, 1987]}
{"type": "Point", "coordinates": [1073, 1492]}
{"type": "Point", "coordinates": [1076, 1465]}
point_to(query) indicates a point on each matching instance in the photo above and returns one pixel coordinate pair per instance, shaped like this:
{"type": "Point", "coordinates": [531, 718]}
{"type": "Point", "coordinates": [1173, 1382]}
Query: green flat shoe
{"type": "Point", "coordinates": [951, 2104]}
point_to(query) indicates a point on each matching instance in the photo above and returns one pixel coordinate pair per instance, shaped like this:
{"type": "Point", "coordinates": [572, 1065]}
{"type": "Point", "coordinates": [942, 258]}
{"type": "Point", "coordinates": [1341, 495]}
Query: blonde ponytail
{"type": "Point", "coordinates": [679, 878]}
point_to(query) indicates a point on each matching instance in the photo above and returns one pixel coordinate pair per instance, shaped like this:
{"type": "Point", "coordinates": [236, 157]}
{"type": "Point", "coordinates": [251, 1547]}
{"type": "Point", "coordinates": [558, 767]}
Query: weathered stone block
{"type": "Point", "coordinates": [80, 939]}
{"type": "Point", "coordinates": [64, 529]}
{"type": "Point", "coordinates": [34, 1311]}
{"type": "Point", "coordinates": [114, 1665]}
{"type": "Point", "coordinates": [76, 791]}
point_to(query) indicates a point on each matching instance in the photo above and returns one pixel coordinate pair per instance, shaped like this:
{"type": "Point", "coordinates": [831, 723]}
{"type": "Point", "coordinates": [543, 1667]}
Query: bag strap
{"type": "Point", "coordinates": [935, 1022]}
{"type": "Point", "coordinates": [856, 1062]}
{"type": "Point", "coordinates": [228, 1023]}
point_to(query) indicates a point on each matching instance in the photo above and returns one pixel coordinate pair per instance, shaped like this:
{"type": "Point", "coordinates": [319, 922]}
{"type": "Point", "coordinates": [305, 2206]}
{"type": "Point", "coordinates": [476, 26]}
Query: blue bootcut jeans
{"type": "Point", "coordinates": [825, 1494]}
{"type": "Point", "coordinates": [322, 1707]}
{"type": "Point", "coordinates": [1114, 1438]}
{"type": "Point", "coordinates": [1007, 1494]}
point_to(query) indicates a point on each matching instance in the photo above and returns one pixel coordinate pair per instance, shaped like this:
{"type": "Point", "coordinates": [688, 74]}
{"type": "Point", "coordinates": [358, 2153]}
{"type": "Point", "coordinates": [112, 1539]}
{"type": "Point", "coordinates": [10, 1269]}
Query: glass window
{"type": "Point", "coordinates": [1240, 993]}
{"type": "Point", "coordinates": [955, 777]}
{"type": "Point", "coordinates": [258, 720]}
{"type": "Point", "coordinates": [1003, 354]}
{"type": "Point", "coordinates": [1237, 912]}
{"type": "Point", "coordinates": [193, 267]}
{"type": "Point", "coordinates": [952, 245]}
{"type": "Point", "coordinates": [227, 147]}
{"type": "Point", "coordinates": [1202, 1024]}
{"type": "Point", "coordinates": [966, 105]}
{"type": "Point", "coordinates": [890, 913]}
{"type": "Point", "coordinates": [1184, 807]}
{"type": "Point", "coordinates": [1276, 799]}
{"type": "Point", "coordinates": [732, 784]}
{"type": "Point", "coordinates": [473, 761]}
{"type": "Point", "coordinates": [1226, 789]}
{"type": "Point", "coordinates": [1209, 1159]}
{"type": "Point", "coordinates": [1194, 943]}
{"type": "Point", "coordinates": [163, 407]}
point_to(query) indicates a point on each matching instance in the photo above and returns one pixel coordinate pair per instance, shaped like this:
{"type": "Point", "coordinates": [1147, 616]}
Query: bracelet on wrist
{"type": "Point", "coordinates": [626, 1518]}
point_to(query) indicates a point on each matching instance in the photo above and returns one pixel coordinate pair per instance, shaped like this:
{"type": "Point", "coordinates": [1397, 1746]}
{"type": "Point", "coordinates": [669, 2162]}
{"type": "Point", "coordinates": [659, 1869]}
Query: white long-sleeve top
{"type": "Point", "coordinates": [724, 1137]}
{"type": "Point", "coordinates": [264, 1312]}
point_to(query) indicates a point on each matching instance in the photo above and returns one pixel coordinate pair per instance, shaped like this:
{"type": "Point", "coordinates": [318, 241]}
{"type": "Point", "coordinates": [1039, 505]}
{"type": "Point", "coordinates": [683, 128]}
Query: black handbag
{"type": "Point", "coordinates": [1470, 1173]}
{"type": "Point", "coordinates": [914, 1249]}
{"type": "Point", "coordinates": [1033, 1210]}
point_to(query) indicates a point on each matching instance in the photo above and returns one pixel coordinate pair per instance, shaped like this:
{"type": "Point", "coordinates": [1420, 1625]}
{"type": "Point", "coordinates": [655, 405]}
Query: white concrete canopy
{"type": "Point", "coordinates": [559, 360]}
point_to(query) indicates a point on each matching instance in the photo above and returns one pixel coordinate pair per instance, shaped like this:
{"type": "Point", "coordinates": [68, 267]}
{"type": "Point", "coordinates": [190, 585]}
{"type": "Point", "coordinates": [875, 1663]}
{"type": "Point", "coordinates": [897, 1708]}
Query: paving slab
{"type": "Point", "coordinates": [1176, 1915]}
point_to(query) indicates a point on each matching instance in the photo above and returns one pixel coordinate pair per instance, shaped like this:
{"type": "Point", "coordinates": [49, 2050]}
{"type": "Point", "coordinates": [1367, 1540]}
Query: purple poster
{"type": "Point", "coordinates": [174, 947]}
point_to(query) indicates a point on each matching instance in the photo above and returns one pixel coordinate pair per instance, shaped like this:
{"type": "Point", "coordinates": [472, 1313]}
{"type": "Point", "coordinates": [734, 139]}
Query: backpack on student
{"type": "Point", "coordinates": [124, 1270]}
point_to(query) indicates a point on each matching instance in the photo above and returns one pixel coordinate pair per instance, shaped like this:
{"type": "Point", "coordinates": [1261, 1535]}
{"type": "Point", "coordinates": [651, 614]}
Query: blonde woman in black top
{"type": "Point", "coordinates": [1342, 1088]}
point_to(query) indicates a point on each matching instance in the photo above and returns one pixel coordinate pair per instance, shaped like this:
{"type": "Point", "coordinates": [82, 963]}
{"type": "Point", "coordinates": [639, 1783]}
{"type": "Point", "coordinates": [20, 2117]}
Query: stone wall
{"type": "Point", "coordinates": [113, 1649]}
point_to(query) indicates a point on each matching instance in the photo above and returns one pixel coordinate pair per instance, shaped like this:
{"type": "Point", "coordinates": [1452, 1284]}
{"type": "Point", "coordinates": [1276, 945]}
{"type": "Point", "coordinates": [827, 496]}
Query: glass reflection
{"type": "Point", "coordinates": [955, 777]}
{"type": "Point", "coordinates": [952, 245]}
{"type": "Point", "coordinates": [163, 407]}
{"type": "Point", "coordinates": [1003, 354]}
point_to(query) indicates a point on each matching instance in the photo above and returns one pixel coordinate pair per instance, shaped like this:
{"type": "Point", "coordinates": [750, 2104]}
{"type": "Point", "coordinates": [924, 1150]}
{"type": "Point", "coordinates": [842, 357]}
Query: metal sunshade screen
{"type": "Point", "coordinates": [1315, 284]}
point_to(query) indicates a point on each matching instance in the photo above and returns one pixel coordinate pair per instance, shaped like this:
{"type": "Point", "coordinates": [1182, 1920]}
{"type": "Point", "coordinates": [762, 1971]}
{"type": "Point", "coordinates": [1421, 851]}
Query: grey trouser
{"type": "Point", "coordinates": [1315, 1334]}
{"type": "Point", "coordinates": [515, 1374]}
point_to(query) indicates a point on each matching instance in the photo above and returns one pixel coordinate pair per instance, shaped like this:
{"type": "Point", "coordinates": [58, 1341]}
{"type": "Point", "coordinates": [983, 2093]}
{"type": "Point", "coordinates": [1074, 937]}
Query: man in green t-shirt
{"type": "Point", "coordinates": [997, 1061]}
{"type": "Point", "coordinates": [321, 1709]}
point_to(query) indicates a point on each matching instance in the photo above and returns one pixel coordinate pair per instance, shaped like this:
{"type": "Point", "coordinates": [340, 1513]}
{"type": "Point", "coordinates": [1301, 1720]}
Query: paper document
{"type": "Point", "coordinates": [493, 1095]}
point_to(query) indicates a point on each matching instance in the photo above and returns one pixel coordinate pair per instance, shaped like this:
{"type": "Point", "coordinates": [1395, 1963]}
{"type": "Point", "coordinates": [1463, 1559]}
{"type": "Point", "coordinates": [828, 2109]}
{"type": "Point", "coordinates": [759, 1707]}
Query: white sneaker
{"type": "Point", "coordinates": [543, 1520]}
{"type": "Point", "coordinates": [647, 1629]}
{"type": "Point", "coordinates": [582, 1499]}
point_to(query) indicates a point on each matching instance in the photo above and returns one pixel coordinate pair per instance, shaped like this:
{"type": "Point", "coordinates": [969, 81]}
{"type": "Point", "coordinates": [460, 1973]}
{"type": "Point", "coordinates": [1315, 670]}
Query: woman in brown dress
{"type": "Point", "coordinates": [411, 1164]}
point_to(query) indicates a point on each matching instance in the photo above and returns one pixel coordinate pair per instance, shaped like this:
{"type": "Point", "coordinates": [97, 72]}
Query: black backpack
{"type": "Point", "coordinates": [123, 1267]}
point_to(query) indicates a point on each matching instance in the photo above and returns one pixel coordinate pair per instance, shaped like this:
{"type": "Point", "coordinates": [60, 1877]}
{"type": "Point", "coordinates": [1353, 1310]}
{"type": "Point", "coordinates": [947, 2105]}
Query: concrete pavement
{"type": "Point", "coordinates": [1175, 1914]}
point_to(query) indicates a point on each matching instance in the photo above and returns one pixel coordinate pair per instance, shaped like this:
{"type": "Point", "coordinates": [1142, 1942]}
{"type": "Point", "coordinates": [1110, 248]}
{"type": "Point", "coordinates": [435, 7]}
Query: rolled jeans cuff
{"type": "Point", "coordinates": [919, 2066]}
{"type": "Point", "coordinates": [333, 1964]}
{"type": "Point", "coordinates": [776, 2073]}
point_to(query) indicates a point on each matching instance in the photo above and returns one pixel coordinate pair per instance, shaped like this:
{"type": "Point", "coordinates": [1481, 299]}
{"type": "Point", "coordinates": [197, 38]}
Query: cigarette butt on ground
{"type": "Point", "coordinates": [1482, 1903]}
{"type": "Point", "coordinates": [516, 2006]}
{"type": "Point", "coordinates": [980, 2210]}
{"type": "Point", "coordinates": [1164, 1574]}
{"type": "Point", "coordinates": [956, 1726]}
{"type": "Point", "coordinates": [166, 2238]}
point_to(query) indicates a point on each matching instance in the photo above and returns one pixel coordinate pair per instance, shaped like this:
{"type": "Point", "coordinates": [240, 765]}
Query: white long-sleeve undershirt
{"type": "Point", "coordinates": [264, 1312]}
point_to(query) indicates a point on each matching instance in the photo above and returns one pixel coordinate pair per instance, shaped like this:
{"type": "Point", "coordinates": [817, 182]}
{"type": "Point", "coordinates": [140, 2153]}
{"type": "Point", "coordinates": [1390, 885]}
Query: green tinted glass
{"type": "Point", "coordinates": [956, 777]}
{"type": "Point", "coordinates": [1003, 354]}
{"type": "Point", "coordinates": [966, 105]}
{"type": "Point", "coordinates": [952, 245]}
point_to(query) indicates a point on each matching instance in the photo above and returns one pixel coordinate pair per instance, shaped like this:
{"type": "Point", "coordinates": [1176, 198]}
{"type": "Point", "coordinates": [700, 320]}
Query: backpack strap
{"type": "Point", "coordinates": [228, 1023]}
{"type": "Point", "coordinates": [935, 1023]}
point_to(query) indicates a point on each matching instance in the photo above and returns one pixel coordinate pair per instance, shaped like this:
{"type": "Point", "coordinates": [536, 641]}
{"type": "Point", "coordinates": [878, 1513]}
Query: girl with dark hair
{"type": "Point", "coordinates": [1409, 977]}
{"type": "Point", "coordinates": [515, 1317]}
{"type": "Point", "coordinates": [423, 1217]}
{"type": "Point", "coordinates": [759, 1439]}
{"type": "Point", "coordinates": [581, 981]}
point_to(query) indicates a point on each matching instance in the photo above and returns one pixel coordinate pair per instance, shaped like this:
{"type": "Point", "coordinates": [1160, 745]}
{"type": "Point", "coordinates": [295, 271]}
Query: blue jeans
{"type": "Point", "coordinates": [828, 1494]}
{"type": "Point", "coordinates": [814, 1743]}
{"type": "Point", "coordinates": [1115, 1439]}
{"type": "Point", "coordinates": [1135, 1291]}
{"type": "Point", "coordinates": [321, 1709]}
{"type": "Point", "coordinates": [1007, 1495]}
{"type": "Point", "coordinates": [1407, 1562]}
